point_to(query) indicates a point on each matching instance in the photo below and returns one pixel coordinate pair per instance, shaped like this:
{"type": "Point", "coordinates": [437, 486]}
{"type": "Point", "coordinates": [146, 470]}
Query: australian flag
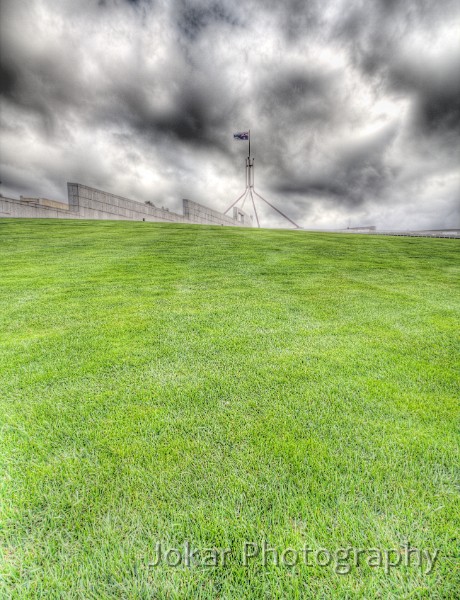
{"type": "Point", "coordinates": [243, 135]}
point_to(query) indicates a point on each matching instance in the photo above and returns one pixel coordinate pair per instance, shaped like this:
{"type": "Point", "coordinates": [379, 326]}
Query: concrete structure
{"type": "Point", "coordinates": [197, 213]}
{"type": "Point", "coordinates": [45, 202]}
{"type": "Point", "coordinates": [88, 203]}
{"type": "Point", "coordinates": [363, 229]}
{"type": "Point", "coordinates": [432, 233]}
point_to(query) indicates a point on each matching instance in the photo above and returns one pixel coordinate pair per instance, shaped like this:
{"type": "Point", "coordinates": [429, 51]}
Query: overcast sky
{"type": "Point", "coordinates": [353, 106]}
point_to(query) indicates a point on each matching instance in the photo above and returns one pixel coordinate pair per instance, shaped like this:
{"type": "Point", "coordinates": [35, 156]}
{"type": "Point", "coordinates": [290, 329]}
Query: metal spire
{"type": "Point", "coordinates": [249, 190]}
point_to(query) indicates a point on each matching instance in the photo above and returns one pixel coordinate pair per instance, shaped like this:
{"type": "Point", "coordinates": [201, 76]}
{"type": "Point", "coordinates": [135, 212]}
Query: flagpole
{"type": "Point", "coordinates": [249, 190]}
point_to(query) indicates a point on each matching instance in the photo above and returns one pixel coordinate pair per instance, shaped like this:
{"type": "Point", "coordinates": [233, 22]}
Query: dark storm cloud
{"type": "Point", "coordinates": [193, 18]}
{"type": "Point", "coordinates": [353, 108]}
{"type": "Point", "coordinates": [8, 80]}
{"type": "Point", "coordinates": [433, 83]}
{"type": "Point", "coordinates": [435, 88]}
{"type": "Point", "coordinates": [194, 115]}
{"type": "Point", "coordinates": [358, 167]}
{"type": "Point", "coordinates": [300, 94]}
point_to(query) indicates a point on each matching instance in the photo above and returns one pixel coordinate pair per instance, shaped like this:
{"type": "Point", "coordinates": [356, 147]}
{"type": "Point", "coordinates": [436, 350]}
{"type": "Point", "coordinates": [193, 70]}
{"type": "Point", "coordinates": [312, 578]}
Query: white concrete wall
{"type": "Point", "coordinates": [11, 207]}
{"type": "Point", "coordinates": [90, 203]}
{"type": "Point", "coordinates": [197, 213]}
{"type": "Point", "coordinates": [96, 204]}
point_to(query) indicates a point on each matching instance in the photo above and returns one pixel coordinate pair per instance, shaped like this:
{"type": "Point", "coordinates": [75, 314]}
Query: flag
{"type": "Point", "coordinates": [243, 135]}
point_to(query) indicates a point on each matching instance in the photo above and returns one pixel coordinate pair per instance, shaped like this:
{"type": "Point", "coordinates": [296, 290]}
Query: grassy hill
{"type": "Point", "coordinates": [217, 386]}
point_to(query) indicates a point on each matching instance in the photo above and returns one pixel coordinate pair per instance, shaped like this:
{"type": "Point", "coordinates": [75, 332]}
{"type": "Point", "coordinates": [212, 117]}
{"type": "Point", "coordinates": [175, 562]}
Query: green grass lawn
{"type": "Point", "coordinates": [172, 384]}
